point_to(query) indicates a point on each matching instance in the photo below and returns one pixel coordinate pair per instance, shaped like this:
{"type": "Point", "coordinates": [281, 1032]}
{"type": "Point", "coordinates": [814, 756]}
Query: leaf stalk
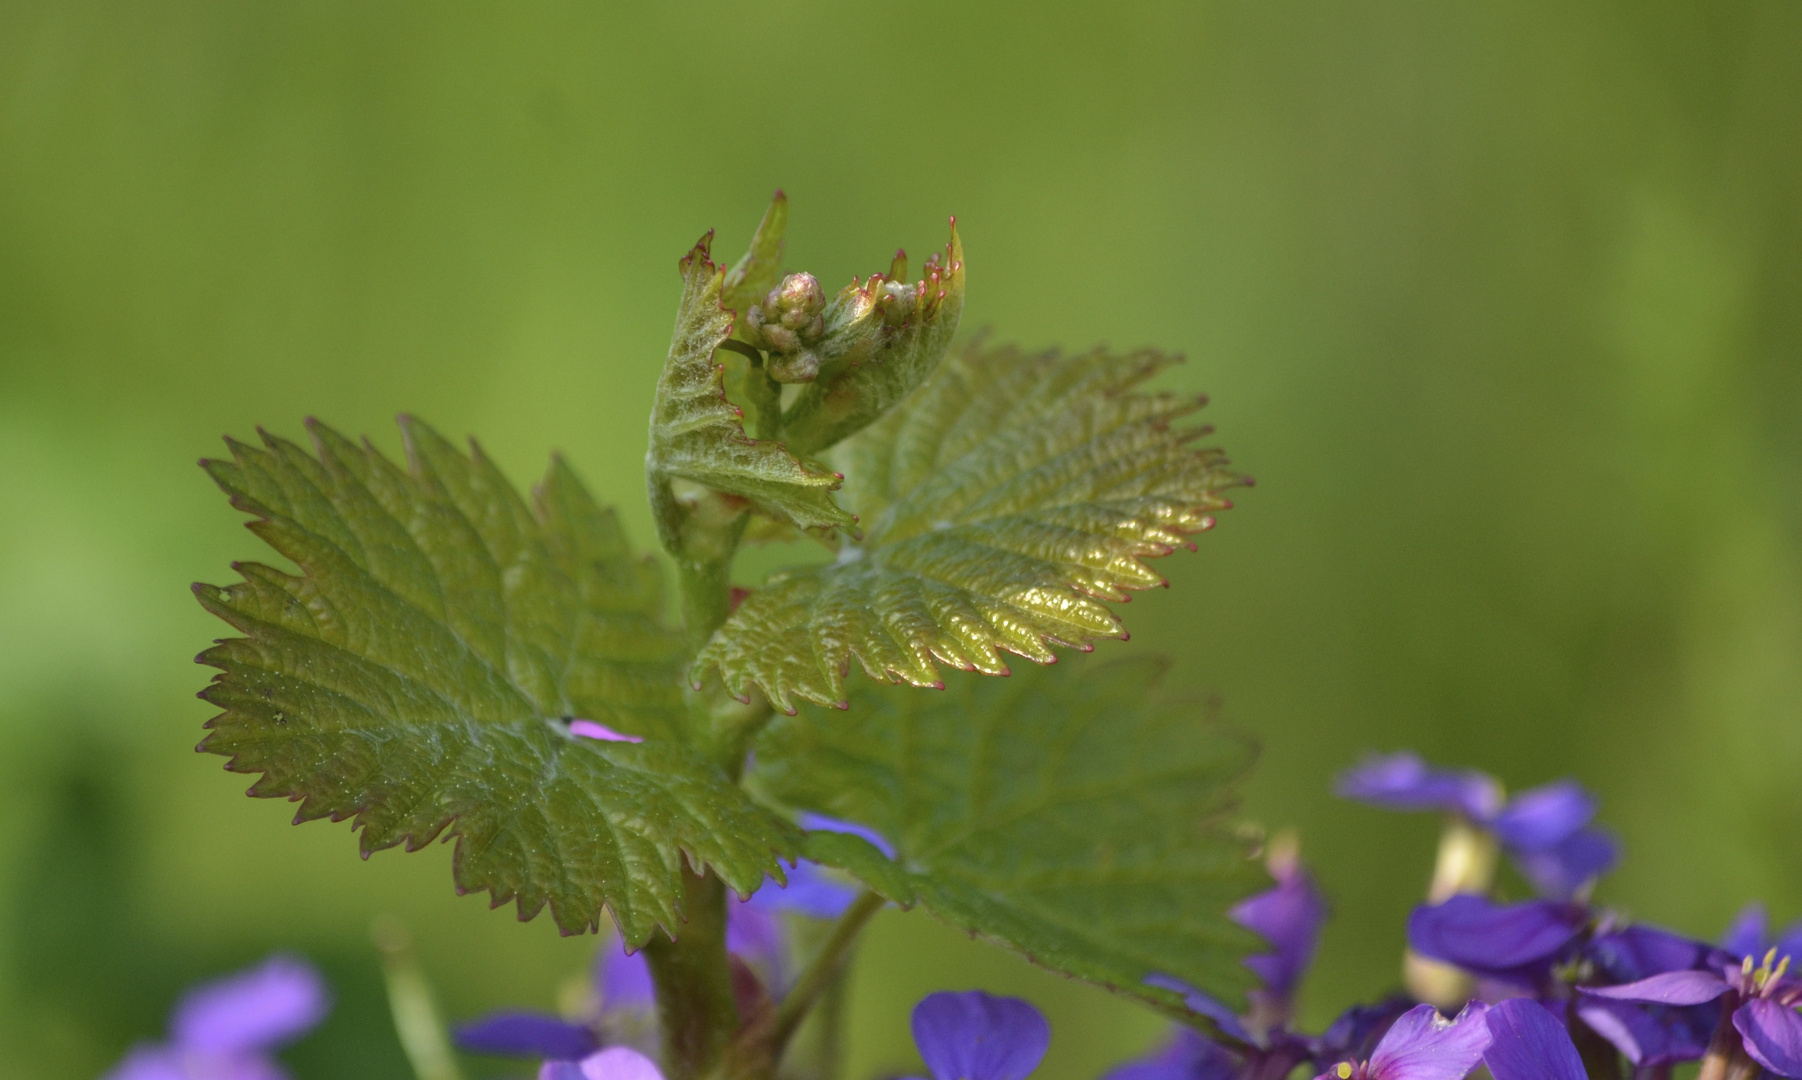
{"type": "Point", "coordinates": [823, 970]}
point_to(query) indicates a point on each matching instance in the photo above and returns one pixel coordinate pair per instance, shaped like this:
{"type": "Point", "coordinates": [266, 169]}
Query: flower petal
{"type": "Point", "coordinates": [1544, 816]}
{"type": "Point", "coordinates": [1772, 1034]}
{"type": "Point", "coordinates": [1423, 1045]}
{"type": "Point", "coordinates": [810, 891]}
{"type": "Point", "coordinates": [1650, 1035]}
{"type": "Point", "coordinates": [822, 823]}
{"type": "Point", "coordinates": [525, 1034]}
{"type": "Point", "coordinates": [1639, 952]}
{"type": "Point", "coordinates": [256, 1009]}
{"type": "Point", "coordinates": [1560, 870]}
{"type": "Point", "coordinates": [560, 1070]}
{"type": "Point", "coordinates": [1404, 782]}
{"type": "Point", "coordinates": [1667, 988]}
{"type": "Point", "coordinates": [1789, 941]}
{"type": "Point", "coordinates": [589, 729]}
{"type": "Point", "coordinates": [756, 935]}
{"type": "Point", "coordinates": [619, 1063]}
{"type": "Point", "coordinates": [1745, 935]}
{"type": "Point", "coordinates": [1529, 1043]}
{"type": "Point", "coordinates": [623, 978]}
{"type": "Point", "coordinates": [1354, 1034]}
{"type": "Point", "coordinates": [1289, 917]}
{"type": "Point", "coordinates": [1494, 939]}
{"type": "Point", "coordinates": [1205, 1004]}
{"type": "Point", "coordinates": [977, 1036]}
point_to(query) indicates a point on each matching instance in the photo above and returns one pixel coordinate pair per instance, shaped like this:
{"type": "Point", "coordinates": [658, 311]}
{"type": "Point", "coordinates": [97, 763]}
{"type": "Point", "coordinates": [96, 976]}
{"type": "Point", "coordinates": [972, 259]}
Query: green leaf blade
{"type": "Point", "coordinates": [698, 435]}
{"type": "Point", "coordinates": [417, 675]}
{"type": "Point", "coordinates": [1006, 502]}
{"type": "Point", "coordinates": [1060, 813]}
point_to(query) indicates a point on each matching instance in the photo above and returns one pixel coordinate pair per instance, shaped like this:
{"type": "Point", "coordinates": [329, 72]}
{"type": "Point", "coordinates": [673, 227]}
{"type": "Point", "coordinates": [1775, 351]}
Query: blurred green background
{"type": "Point", "coordinates": [1502, 304]}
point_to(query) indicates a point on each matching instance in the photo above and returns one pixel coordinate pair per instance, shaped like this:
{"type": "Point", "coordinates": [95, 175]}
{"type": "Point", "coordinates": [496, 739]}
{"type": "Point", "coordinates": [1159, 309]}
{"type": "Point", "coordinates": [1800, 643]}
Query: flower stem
{"type": "Point", "coordinates": [823, 970]}
{"type": "Point", "coordinates": [1727, 1058]}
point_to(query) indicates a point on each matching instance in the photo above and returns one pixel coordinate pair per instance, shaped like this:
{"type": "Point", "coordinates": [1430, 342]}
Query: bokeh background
{"type": "Point", "coordinates": [1501, 303]}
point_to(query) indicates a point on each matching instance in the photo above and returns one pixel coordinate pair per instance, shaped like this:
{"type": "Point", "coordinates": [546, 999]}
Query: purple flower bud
{"type": "Point", "coordinates": [1289, 917]}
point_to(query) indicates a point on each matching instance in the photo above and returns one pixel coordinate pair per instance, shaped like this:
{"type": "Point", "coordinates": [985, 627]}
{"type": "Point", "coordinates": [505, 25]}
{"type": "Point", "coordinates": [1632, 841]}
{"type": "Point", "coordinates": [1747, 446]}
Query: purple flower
{"type": "Point", "coordinates": [1529, 1043]}
{"type": "Point", "coordinates": [1749, 935]}
{"type": "Point", "coordinates": [1761, 1002]}
{"type": "Point", "coordinates": [977, 1036]}
{"type": "Point", "coordinates": [613, 1063]}
{"type": "Point", "coordinates": [1545, 830]}
{"type": "Point", "coordinates": [225, 1030]}
{"type": "Point", "coordinates": [1423, 1045]}
{"type": "Point", "coordinates": [1514, 943]}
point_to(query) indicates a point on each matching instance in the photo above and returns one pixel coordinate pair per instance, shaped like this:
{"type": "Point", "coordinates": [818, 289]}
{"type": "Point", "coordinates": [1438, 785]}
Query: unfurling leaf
{"type": "Point", "coordinates": [757, 272]}
{"type": "Point", "coordinates": [697, 435]}
{"type": "Point", "coordinates": [423, 671]}
{"type": "Point", "coordinates": [881, 340]}
{"type": "Point", "coordinates": [1005, 500]}
{"type": "Point", "coordinates": [1062, 813]}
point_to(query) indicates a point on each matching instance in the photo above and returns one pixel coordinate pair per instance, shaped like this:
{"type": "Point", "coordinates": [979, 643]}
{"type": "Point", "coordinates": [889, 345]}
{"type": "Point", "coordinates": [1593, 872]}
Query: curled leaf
{"type": "Point", "coordinates": [698, 435]}
{"type": "Point", "coordinates": [882, 338]}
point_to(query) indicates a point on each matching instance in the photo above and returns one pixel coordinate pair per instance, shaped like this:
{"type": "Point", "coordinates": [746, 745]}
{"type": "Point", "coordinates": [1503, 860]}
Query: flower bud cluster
{"type": "Point", "coordinates": [788, 323]}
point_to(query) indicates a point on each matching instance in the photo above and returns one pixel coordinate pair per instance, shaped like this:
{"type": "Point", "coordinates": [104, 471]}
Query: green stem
{"type": "Point", "coordinates": [416, 1020]}
{"type": "Point", "coordinates": [695, 1006]}
{"type": "Point", "coordinates": [706, 597]}
{"type": "Point", "coordinates": [823, 969]}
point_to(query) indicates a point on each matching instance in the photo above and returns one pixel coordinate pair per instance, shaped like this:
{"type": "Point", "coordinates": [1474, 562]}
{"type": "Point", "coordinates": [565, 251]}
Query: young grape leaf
{"type": "Point", "coordinates": [1004, 500]}
{"type": "Point", "coordinates": [1063, 813]}
{"type": "Point", "coordinates": [698, 435]}
{"type": "Point", "coordinates": [422, 672]}
{"type": "Point", "coordinates": [883, 338]}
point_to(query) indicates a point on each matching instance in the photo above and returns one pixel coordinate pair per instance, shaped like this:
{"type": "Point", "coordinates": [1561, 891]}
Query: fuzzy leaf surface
{"type": "Point", "coordinates": [1060, 812]}
{"type": "Point", "coordinates": [698, 435]}
{"type": "Point", "coordinates": [420, 672]}
{"type": "Point", "coordinates": [1006, 501]}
